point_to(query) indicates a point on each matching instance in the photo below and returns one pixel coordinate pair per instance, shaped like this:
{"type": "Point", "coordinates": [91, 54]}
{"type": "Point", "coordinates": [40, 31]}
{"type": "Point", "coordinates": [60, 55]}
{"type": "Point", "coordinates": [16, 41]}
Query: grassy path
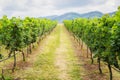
{"type": "Point", "coordinates": [54, 59]}
{"type": "Point", "coordinates": [65, 58]}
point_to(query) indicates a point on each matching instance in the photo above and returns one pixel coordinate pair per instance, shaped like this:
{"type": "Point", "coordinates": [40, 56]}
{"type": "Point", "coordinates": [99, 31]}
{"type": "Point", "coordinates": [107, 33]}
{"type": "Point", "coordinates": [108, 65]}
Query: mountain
{"type": "Point", "coordinates": [111, 13]}
{"type": "Point", "coordinates": [67, 16]}
{"type": "Point", "coordinates": [91, 14]}
{"type": "Point", "coordinates": [73, 15]}
{"type": "Point", "coordinates": [52, 17]}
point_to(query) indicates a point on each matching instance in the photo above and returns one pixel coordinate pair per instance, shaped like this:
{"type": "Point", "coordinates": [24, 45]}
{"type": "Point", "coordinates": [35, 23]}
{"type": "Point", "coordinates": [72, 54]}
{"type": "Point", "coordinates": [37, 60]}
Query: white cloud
{"type": "Point", "coordinates": [38, 8]}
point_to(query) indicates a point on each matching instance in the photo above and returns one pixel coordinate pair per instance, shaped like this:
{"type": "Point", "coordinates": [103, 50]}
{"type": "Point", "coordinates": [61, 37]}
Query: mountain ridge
{"type": "Point", "coordinates": [73, 15]}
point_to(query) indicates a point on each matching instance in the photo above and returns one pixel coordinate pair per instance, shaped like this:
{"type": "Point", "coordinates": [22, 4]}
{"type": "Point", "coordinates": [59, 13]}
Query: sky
{"type": "Point", "coordinates": [38, 8]}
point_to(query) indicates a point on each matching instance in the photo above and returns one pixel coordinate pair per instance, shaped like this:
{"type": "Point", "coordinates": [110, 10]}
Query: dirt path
{"type": "Point", "coordinates": [66, 61]}
{"type": "Point", "coordinates": [61, 62]}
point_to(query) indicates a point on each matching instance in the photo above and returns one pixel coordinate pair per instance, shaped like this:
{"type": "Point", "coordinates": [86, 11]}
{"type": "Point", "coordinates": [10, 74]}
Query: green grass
{"type": "Point", "coordinates": [73, 66]}
{"type": "Point", "coordinates": [45, 61]}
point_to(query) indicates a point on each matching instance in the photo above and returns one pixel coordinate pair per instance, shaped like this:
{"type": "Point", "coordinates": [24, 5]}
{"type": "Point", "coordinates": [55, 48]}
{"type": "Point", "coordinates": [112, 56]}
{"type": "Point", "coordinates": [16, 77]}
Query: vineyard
{"type": "Point", "coordinates": [102, 37]}
{"type": "Point", "coordinates": [42, 49]}
{"type": "Point", "coordinates": [19, 35]}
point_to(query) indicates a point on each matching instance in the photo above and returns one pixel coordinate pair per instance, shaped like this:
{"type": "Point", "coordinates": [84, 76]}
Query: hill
{"type": "Point", "coordinates": [73, 15]}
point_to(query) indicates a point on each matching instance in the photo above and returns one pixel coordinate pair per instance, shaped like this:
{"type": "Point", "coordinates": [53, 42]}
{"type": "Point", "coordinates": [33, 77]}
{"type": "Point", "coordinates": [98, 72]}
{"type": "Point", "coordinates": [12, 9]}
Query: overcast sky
{"type": "Point", "coordinates": [37, 8]}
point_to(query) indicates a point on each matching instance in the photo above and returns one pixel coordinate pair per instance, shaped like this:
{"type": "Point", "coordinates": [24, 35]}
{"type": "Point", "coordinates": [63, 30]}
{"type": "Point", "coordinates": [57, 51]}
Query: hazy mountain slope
{"type": "Point", "coordinates": [73, 15]}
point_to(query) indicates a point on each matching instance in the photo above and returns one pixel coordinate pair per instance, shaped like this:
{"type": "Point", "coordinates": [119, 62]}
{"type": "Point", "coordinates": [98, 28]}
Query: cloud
{"type": "Point", "coordinates": [36, 8]}
{"type": "Point", "coordinates": [76, 3]}
{"type": "Point", "coordinates": [15, 6]}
